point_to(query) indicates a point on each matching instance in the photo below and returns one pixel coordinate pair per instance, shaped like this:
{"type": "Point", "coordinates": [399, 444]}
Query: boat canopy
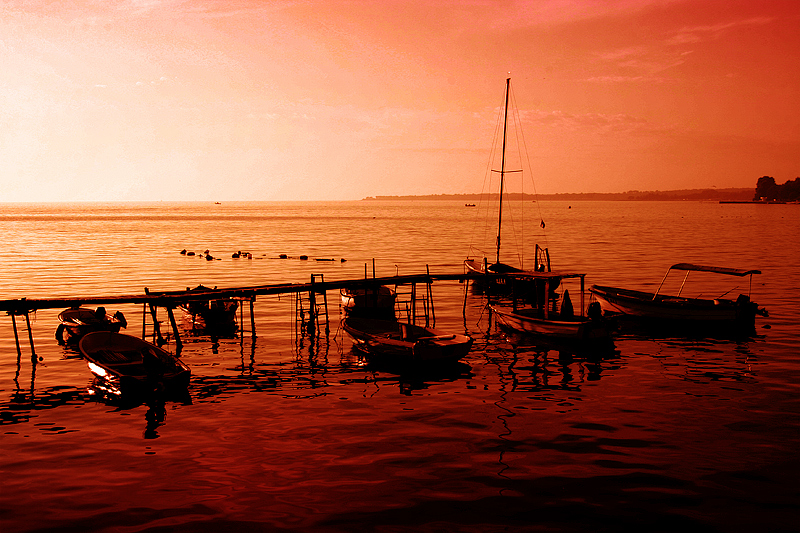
{"type": "Point", "coordinates": [717, 270]}
{"type": "Point", "coordinates": [528, 274]}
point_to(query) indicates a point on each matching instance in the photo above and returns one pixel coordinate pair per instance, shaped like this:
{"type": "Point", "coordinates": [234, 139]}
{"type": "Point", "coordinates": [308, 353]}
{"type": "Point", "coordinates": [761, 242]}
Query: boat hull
{"type": "Point", "coordinates": [369, 303]}
{"type": "Point", "coordinates": [129, 364]}
{"type": "Point", "coordinates": [676, 313]}
{"type": "Point", "coordinates": [394, 342]}
{"type": "Point", "coordinates": [212, 314]}
{"type": "Point", "coordinates": [576, 329]}
{"type": "Point", "coordinates": [76, 322]}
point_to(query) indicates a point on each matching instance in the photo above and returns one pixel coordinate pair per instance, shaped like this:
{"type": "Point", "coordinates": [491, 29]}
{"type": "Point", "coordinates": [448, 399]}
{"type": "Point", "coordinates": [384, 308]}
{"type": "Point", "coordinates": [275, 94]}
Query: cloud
{"type": "Point", "coordinates": [696, 34]}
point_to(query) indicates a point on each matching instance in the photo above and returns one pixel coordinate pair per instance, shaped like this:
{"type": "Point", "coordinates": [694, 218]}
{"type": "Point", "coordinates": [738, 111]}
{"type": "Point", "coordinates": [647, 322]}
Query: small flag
{"type": "Point", "coordinates": [542, 224]}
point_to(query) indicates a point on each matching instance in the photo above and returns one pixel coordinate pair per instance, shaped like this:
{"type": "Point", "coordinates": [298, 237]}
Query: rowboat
{"type": "Point", "coordinates": [76, 322]}
{"type": "Point", "coordinates": [546, 314]}
{"type": "Point", "coordinates": [692, 314]}
{"type": "Point", "coordinates": [130, 364]}
{"type": "Point", "coordinates": [392, 342]}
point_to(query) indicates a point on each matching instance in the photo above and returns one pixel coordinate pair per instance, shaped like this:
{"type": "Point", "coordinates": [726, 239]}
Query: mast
{"type": "Point", "coordinates": [502, 168]}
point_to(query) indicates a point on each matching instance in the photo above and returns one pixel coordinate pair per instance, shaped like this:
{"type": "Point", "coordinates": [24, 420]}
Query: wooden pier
{"type": "Point", "coordinates": [170, 300]}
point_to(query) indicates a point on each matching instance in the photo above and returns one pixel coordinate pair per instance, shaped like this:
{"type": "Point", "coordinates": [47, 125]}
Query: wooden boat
{"type": "Point", "coordinates": [692, 313]}
{"type": "Point", "coordinates": [392, 342]}
{"type": "Point", "coordinates": [76, 322]}
{"type": "Point", "coordinates": [368, 302]}
{"type": "Point", "coordinates": [130, 364]}
{"type": "Point", "coordinates": [540, 314]}
{"type": "Point", "coordinates": [211, 314]}
{"type": "Point", "coordinates": [483, 266]}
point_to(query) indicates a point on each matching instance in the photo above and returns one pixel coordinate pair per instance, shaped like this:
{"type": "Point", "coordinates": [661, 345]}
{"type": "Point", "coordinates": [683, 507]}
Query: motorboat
{"type": "Point", "coordinates": [76, 322]}
{"type": "Point", "coordinates": [393, 342]}
{"type": "Point", "coordinates": [691, 314]}
{"type": "Point", "coordinates": [546, 314]}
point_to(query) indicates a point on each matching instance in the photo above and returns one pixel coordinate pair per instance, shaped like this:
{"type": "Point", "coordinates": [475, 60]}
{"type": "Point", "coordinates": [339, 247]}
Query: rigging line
{"type": "Point", "coordinates": [486, 194]}
{"type": "Point", "coordinates": [530, 169]}
{"type": "Point", "coordinates": [485, 205]}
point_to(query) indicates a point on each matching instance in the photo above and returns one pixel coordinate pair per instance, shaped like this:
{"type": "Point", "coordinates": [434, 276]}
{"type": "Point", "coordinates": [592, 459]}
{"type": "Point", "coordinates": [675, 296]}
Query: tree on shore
{"type": "Point", "coordinates": [769, 191]}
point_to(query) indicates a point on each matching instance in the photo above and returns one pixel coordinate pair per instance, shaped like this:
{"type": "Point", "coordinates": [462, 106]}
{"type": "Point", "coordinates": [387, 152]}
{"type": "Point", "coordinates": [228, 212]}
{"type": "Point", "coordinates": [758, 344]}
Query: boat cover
{"type": "Point", "coordinates": [717, 270]}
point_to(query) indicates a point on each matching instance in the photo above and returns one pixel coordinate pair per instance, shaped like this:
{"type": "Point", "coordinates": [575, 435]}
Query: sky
{"type": "Point", "coordinates": [168, 100]}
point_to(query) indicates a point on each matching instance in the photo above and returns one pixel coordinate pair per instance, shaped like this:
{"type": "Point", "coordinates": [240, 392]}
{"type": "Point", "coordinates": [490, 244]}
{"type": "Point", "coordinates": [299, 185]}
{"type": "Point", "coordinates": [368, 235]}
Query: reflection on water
{"type": "Point", "coordinates": [155, 400]}
{"type": "Point", "coordinates": [293, 430]}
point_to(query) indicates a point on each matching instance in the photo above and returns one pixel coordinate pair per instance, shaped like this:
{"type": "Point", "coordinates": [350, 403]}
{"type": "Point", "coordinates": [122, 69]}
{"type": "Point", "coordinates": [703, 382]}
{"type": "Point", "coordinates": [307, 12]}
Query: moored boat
{"type": "Point", "coordinates": [130, 364]}
{"type": "Point", "coordinates": [211, 313]}
{"type": "Point", "coordinates": [497, 282]}
{"type": "Point", "coordinates": [392, 342]}
{"type": "Point", "coordinates": [369, 302]}
{"type": "Point", "coordinates": [543, 313]}
{"type": "Point", "coordinates": [76, 322]}
{"type": "Point", "coordinates": [679, 313]}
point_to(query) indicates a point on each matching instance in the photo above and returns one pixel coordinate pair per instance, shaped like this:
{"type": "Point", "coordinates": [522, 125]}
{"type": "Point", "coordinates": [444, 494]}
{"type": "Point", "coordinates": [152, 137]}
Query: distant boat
{"type": "Point", "coordinates": [131, 365]}
{"type": "Point", "coordinates": [76, 322]}
{"type": "Point", "coordinates": [682, 314]}
{"type": "Point", "coordinates": [469, 205]}
{"type": "Point", "coordinates": [398, 343]}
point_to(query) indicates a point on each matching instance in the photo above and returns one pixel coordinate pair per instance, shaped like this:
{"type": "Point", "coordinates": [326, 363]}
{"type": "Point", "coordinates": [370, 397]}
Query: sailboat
{"type": "Point", "coordinates": [536, 307]}
{"type": "Point", "coordinates": [482, 266]}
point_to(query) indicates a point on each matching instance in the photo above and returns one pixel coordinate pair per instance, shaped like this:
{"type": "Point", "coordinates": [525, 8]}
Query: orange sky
{"type": "Point", "coordinates": [338, 100]}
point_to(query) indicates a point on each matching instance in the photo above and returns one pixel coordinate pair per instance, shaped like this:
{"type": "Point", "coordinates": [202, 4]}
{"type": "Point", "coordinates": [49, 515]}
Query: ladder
{"type": "Point", "coordinates": [308, 307]}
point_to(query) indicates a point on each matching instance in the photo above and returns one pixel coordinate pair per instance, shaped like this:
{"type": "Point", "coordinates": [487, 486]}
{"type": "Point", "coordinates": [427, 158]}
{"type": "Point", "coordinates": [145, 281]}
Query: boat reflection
{"type": "Point", "coordinates": [156, 401]}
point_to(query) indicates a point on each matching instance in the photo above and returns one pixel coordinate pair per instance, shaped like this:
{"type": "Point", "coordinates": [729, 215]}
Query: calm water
{"type": "Point", "coordinates": [296, 433]}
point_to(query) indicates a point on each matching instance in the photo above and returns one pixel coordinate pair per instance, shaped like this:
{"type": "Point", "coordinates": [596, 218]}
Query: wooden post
{"type": "Point", "coordinates": [582, 284]}
{"type": "Point", "coordinates": [156, 327]}
{"type": "Point", "coordinates": [413, 303]}
{"type": "Point", "coordinates": [30, 336]}
{"type": "Point", "coordinates": [312, 307]}
{"type": "Point", "coordinates": [178, 344]}
{"type": "Point", "coordinates": [252, 318]}
{"type": "Point", "coordinates": [547, 299]}
{"type": "Point", "coordinates": [429, 295]}
{"type": "Point", "coordinates": [16, 335]}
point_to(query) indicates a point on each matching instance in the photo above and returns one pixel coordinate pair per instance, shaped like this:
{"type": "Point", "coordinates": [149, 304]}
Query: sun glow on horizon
{"type": "Point", "coordinates": [142, 101]}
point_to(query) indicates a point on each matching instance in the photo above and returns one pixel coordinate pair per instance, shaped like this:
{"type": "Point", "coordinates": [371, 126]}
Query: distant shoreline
{"type": "Point", "coordinates": [722, 195]}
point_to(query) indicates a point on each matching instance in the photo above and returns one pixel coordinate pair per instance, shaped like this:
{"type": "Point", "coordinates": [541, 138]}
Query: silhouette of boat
{"type": "Point", "coordinates": [211, 314]}
{"type": "Point", "coordinates": [129, 364]}
{"type": "Point", "coordinates": [680, 313]}
{"type": "Point", "coordinates": [369, 302]}
{"type": "Point", "coordinates": [482, 266]}
{"type": "Point", "coordinates": [544, 313]}
{"type": "Point", "coordinates": [390, 342]}
{"type": "Point", "coordinates": [76, 322]}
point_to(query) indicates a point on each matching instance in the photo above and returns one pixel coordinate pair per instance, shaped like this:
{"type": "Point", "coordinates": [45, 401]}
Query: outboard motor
{"type": "Point", "coordinates": [594, 312]}
{"type": "Point", "coordinates": [119, 317]}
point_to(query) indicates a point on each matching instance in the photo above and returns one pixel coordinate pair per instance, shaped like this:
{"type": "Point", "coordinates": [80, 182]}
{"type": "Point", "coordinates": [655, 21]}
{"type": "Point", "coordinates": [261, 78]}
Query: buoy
{"type": "Point", "coordinates": [183, 252]}
{"type": "Point", "coordinates": [189, 253]}
{"type": "Point", "coordinates": [283, 256]}
{"type": "Point", "coordinates": [303, 258]}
